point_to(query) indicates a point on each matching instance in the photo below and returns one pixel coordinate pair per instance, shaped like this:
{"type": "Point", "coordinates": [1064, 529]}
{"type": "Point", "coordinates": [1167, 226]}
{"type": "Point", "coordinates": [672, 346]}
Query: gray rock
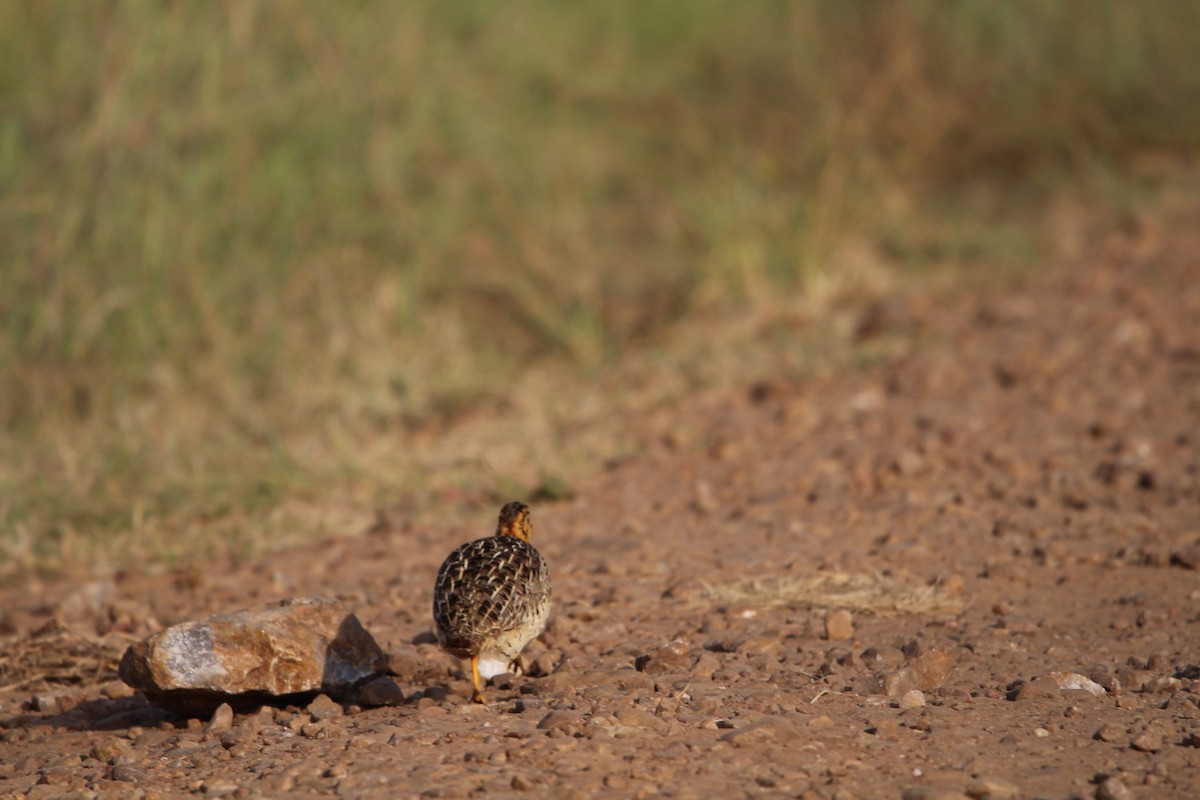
{"type": "Point", "coordinates": [263, 654]}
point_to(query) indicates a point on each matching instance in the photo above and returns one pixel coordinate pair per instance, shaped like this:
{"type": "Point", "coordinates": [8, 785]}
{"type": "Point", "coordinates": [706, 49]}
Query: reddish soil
{"type": "Point", "coordinates": [1012, 492]}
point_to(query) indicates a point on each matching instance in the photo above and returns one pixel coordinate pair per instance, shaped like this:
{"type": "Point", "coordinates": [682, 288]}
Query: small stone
{"type": "Point", "coordinates": [1165, 684]}
{"type": "Point", "coordinates": [839, 625]}
{"type": "Point", "coordinates": [380, 692]}
{"type": "Point", "coordinates": [45, 703]}
{"type": "Point", "coordinates": [882, 659]}
{"type": "Point", "coordinates": [769, 730]}
{"type": "Point", "coordinates": [933, 668]}
{"type": "Point", "coordinates": [237, 736]}
{"type": "Point", "coordinates": [928, 793]}
{"type": "Point", "coordinates": [1188, 557]}
{"type": "Point", "coordinates": [705, 501]}
{"type": "Point", "coordinates": [1104, 675]}
{"type": "Point", "coordinates": [1149, 739]}
{"type": "Point", "coordinates": [897, 683]}
{"type": "Point", "coordinates": [322, 708]}
{"type": "Point", "coordinates": [221, 720]}
{"type": "Point", "coordinates": [670, 657]}
{"type": "Point", "coordinates": [1135, 680]}
{"type": "Point", "coordinates": [504, 681]}
{"type": "Point", "coordinates": [218, 787]}
{"type": "Point", "coordinates": [567, 721]}
{"type": "Point", "coordinates": [914, 698]}
{"type": "Point", "coordinates": [109, 751]}
{"type": "Point", "coordinates": [638, 718]}
{"type": "Point", "coordinates": [520, 783]}
{"type": "Point", "coordinates": [1111, 733]}
{"type": "Point", "coordinates": [1041, 733]}
{"type": "Point", "coordinates": [992, 789]}
{"type": "Point", "coordinates": [127, 773]}
{"type": "Point", "coordinates": [1039, 688]}
{"type": "Point", "coordinates": [1074, 682]}
{"type": "Point", "coordinates": [314, 730]}
{"type": "Point", "coordinates": [1113, 788]}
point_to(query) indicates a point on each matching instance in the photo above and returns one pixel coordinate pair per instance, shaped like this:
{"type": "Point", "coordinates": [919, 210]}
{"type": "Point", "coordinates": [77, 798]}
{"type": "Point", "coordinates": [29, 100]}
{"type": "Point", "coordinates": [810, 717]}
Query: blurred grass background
{"type": "Point", "coordinates": [254, 254]}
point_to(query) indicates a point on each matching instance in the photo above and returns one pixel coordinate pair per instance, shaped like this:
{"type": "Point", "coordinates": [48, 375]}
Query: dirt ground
{"type": "Point", "coordinates": [901, 579]}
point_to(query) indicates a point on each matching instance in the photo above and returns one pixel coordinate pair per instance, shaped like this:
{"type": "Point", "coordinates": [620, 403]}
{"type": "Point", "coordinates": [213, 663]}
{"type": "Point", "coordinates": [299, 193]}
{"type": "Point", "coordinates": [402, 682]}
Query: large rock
{"type": "Point", "coordinates": [281, 651]}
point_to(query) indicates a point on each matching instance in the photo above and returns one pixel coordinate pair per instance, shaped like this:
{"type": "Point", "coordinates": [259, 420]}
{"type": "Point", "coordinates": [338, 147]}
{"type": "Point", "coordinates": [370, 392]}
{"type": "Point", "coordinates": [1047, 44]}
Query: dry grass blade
{"type": "Point", "coordinates": [871, 594]}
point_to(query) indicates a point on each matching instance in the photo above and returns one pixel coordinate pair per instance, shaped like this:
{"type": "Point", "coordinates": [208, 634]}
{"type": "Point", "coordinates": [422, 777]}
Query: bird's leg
{"type": "Point", "coordinates": [477, 695]}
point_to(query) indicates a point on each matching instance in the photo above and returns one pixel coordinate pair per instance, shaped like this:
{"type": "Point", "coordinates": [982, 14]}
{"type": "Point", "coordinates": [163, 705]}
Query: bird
{"type": "Point", "coordinates": [492, 598]}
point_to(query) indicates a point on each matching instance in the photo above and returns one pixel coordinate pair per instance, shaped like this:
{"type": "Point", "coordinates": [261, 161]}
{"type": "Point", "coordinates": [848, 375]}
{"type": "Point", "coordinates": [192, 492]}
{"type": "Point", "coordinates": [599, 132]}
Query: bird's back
{"type": "Point", "coordinates": [488, 588]}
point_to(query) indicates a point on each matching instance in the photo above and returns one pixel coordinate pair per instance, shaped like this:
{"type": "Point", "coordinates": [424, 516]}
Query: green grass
{"type": "Point", "coordinates": [251, 252]}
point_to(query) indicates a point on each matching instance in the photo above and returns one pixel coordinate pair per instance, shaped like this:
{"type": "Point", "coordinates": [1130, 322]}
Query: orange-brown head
{"type": "Point", "coordinates": [514, 521]}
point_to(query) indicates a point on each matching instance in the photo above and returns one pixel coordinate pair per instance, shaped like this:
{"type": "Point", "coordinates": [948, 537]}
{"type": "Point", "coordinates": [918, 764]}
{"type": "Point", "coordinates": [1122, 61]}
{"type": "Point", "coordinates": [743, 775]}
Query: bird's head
{"type": "Point", "coordinates": [514, 521]}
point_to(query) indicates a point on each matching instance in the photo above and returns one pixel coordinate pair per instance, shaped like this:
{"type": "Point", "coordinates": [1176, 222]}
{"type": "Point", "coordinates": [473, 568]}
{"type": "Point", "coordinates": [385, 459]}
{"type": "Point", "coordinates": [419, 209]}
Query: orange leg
{"type": "Point", "coordinates": [477, 695]}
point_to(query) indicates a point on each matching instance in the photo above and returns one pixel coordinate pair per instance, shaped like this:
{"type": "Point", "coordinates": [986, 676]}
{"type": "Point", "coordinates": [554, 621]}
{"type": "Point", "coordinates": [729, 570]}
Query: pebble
{"type": "Point", "coordinates": [322, 707]}
{"type": "Point", "coordinates": [45, 703]}
{"type": "Point", "coordinates": [1187, 557]}
{"type": "Point", "coordinates": [1038, 688]}
{"type": "Point", "coordinates": [770, 730]}
{"type": "Point", "coordinates": [221, 720]}
{"type": "Point", "coordinates": [899, 682]}
{"type": "Point", "coordinates": [1075, 682]}
{"type": "Point", "coordinates": [882, 658]}
{"type": "Point", "coordinates": [109, 751]}
{"type": "Point", "coordinates": [839, 625]}
{"type": "Point", "coordinates": [1134, 680]}
{"type": "Point", "coordinates": [992, 789]}
{"type": "Point", "coordinates": [380, 692]}
{"type": "Point", "coordinates": [239, 735]}
{"type": "Point", "coordinates": [1112, 788]}
{"type": "Point", "coordinates": [127, 773]}
{"type": "Point", "coordinates": [928, 793]}
{"type": "Point", "coordinates": [1111, 733]}
{"type": "Point", "coordinates": [568, 721]}
{"type": "Point", "coordinates": [914, 698]}
{"type": "Point", "coordinates": [670, 657]}
{"type": "Point", "coordinates": [638, 718]}
{"type": "Point", "coordinates": [1149, 739]}
{"type": "Point", "coordinates": [932, 668]}
{"type": "Point", "coordinates": [218, 787]}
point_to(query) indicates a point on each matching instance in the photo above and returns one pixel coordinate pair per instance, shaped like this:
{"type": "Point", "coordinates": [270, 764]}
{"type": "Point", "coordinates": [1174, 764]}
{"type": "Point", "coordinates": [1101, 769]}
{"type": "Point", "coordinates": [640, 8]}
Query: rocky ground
{"type": "Point", "coordinates": [966, 566]}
